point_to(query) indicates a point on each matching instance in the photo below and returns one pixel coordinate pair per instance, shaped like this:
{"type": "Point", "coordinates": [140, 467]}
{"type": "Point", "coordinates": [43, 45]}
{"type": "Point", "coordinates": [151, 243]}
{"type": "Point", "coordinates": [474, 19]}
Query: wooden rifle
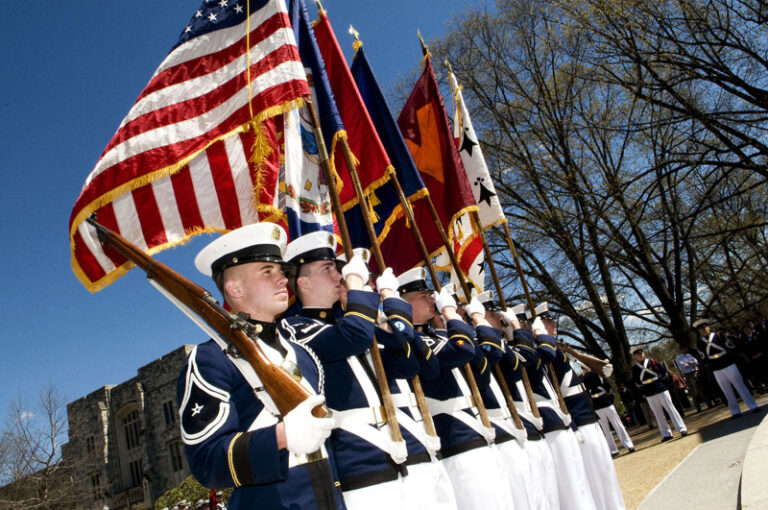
{"type": "Point", "coordinates": [283, 389]}
{"type": "Point", "coordinates": [594, 364]}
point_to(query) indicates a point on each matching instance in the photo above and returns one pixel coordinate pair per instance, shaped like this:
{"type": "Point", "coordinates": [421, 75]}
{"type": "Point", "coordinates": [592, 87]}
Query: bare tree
{"type": "Point", "coordinates": [31, 462]}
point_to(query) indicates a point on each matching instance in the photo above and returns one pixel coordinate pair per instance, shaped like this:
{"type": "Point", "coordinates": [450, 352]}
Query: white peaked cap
{"type": "Point", "coordinates": [485, 297]}
{"type": "Point", "coordinates": [413, 280]}
{"type": "Point", "coordinates": [317, 245]}
{"type": "Point", "coordinates": [258, 242]}
{"type": "Point", "coordinates": [541, 308]}
{"type": "Point", "coordinates": [519, 311]}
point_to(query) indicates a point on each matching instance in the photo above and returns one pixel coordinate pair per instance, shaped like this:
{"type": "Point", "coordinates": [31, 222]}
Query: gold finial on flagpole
{"type": "Point", "coordinates": [320, 9]}
{"type": "Point", "coordinates": [357, 44]}
{"type": "Point", "coordinates": [448, 65]}
{"type": "Point", "coordinates": [424, 47]}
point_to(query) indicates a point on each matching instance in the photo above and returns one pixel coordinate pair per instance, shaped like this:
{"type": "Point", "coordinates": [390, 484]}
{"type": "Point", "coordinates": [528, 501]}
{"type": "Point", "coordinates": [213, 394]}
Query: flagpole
{"type": "Point", "coordinates": [478, 228]}
{"type": "Point", "coordinates": [418, 391]}
{"type": "Point", "coordinates": [529, 299]}
{"type": "Point", "coordinates": [378, 366]}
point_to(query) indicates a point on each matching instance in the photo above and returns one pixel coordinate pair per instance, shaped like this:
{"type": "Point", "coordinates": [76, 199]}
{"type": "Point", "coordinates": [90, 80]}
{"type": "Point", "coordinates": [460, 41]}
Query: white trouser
{"type": "Point", "coordinates": [515, 457]}
{"type": "Point", "coordinates": [543, 488]}
{"type": "Point", "coordinates": [382, 496]}
{"type": "Point", "coordinates": [599, 467]}
{"type": "Point", "coordinates": [609, 415]}
{"type": "Point", "coordinates": [660, 402]}
{"type": "Point", "coordinates": [479, 480]}
{"type": "Point", "coordinates": [428, 487]}
{"type": "Point", "coordinates": [729, 378]}
{"type": "Point", "coordinates": [572, 485]}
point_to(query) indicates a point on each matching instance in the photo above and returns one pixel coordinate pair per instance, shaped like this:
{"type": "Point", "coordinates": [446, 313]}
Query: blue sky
{"type": "Point", "coordinates": [72, 71]}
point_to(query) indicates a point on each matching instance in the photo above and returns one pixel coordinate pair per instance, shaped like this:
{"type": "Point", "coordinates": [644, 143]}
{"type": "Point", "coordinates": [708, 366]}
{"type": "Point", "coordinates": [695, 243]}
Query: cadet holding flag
{"type": "Point", "coordinates": [372, 467]}
{"type": "Point", "coordinates": [598, 465]}
{"type": "Point", "coordinates": [572, 484]}
{"type": "Point", "coordinates": [232, 431]}
{"type": "Point", "coordinates": [475, 470]}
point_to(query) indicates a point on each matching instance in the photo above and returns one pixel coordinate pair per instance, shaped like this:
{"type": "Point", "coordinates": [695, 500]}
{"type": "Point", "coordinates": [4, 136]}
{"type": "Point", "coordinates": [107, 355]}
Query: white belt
{"type": "Point", "coordinates": [574, 390]}
{"type": "Point", "coordinates": [449, 406]}
{"type": "Point", "coordinates": [501, 418]}
{"type": "Point", "coordinates": [360, 416]}
{"type": "Point", "coordinates": [404, 400]}
{"type": "Point", "coordinates": [460, 409]}
{"type": "Point", "coordinates": [297, 459]}
{"type": "Point", "coordinates": [363, 423]}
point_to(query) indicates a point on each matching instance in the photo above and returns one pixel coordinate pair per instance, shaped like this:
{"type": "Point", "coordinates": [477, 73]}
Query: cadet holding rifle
{"type": "Point", "coordinates": [233, 433]}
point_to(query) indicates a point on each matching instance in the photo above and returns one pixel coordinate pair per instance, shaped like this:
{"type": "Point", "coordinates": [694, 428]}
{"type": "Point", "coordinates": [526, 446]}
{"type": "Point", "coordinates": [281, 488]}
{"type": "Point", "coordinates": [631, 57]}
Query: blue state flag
{"type": "Point", "coordinates": [398, 244]}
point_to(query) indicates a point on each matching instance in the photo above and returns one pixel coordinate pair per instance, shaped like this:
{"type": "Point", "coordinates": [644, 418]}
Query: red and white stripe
{"type": "Point", "coordinates": [192, 111]}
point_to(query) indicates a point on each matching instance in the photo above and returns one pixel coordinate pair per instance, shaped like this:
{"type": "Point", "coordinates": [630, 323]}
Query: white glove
{"type": "Point", "coordinates": [387, 280]}
{"type": "Point", "coordinates": [443, 299]}
{"type": "Point", "coordinates": [305, 433]}
{"type": "Point", "coordinates": [607, 370]}
{"type": "Point", "coordinates": [367, 288]}
{"type": "Point", "coordinates": [538, 327]}
{"type": "Point", "coordinates": [475, 306]}
{"type": "Point", "coordinates": [507, 316]}
{"type": "Point", "coordinates": [356, 267]}
{"type": "Point", "coordinates": [432, 443]}
{"type": "Point", "coordinates": [397, 450]}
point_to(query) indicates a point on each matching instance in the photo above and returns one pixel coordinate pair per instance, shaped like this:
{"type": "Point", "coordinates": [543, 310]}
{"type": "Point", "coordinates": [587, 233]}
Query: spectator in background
{"type": "Point", "coordinates": [754, 350]}
{"type": "Point", "coordinates": [627, 397]}
{"type": "Point", "coordinates": [689, 367]}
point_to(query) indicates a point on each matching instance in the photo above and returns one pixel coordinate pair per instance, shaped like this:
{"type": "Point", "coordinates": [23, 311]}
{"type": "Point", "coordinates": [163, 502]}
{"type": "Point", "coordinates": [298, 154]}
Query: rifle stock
{"type": "Point", "coordinates": [284, 390]}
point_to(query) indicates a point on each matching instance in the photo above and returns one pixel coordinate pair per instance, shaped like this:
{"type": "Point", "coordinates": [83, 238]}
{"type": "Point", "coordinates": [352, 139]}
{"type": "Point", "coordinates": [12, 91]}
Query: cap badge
{"type": "Point", "coordinates": [276, 233]}
{"type": "Point", "coordinates": [330, 240]}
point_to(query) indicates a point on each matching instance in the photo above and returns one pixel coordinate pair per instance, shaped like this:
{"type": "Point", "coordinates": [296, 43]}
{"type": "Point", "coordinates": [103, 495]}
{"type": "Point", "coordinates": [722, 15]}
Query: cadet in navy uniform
{"type": "Point", "coordinates": [598, 464]}
{"type": "Point", "coordinates": [602, 401]}
{"type": "Point", "coordinates": [510, 441]}
{"type": "Point", "coordinates": [233, 434]}
{"type": "Point", "coordinates": [542, 489]}
{"type": "Point", "coordinates": [371, 466]}
{"type": "Point", "coordinates": [724, 368]}
{"type": "Point", "coordinates": [474, 469]}
{"type": "Point", "coordinates": [648, 375]}
{"type": "Point", "coordinates": [573, 487]}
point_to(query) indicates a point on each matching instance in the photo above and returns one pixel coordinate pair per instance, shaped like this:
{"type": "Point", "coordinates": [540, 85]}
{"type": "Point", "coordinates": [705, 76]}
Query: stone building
{"type": "Point", "coordinates": [124, 444]}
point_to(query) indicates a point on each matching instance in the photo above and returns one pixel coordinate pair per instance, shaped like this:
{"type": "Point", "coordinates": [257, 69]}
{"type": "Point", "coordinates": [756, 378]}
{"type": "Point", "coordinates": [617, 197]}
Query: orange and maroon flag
{"type": "Point", "coordinates": [428, 134]}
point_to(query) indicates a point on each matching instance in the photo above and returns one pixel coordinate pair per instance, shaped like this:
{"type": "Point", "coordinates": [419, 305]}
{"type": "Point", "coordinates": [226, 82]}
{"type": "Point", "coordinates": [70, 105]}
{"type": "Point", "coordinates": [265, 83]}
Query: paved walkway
{"type": "Point", "coordinates": [709, 476]}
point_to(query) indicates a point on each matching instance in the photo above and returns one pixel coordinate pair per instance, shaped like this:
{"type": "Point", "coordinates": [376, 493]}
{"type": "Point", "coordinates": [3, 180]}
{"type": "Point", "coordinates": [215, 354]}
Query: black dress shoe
{"type": "Point", "coordinates": [683, 434]}
{"type": "Point", "coordinates": [631, 450]}
{"type": "Point", "coordinates": [666, 438]}
{"type": "Point", "coordinates": [734, 416]}
{"type": "Point", "coordinates": [757, 410]}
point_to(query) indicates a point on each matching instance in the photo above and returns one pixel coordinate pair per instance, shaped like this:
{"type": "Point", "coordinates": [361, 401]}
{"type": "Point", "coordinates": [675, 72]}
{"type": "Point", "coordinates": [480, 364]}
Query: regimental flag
{"type": "Point", "coordinates": [197, 151]}
{"type": "Point", "coordinates": [398, 245]}
{"type": "Point", "coordinates": [303, 189]}
{"type": "Point", "coordinates": [303, 195]}
{"type": "Point", "coordinates": [427, 131]}
{"type": "Point", "coordinates": [489, 208]}
{"type": "Point", "coordinates": [469, 250]}
{"type": "Point", "coordinates": [471, 257]}
{"type": "Point", "coordinates": [373, 165]}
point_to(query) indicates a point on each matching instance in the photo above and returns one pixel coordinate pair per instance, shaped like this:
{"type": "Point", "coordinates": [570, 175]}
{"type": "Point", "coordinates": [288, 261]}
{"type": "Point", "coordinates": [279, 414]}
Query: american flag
{"type": "Point", "coordinates": [197, 152]}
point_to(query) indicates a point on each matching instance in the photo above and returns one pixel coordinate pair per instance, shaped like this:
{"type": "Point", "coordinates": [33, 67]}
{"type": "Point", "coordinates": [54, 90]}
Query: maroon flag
{"type": "Point", "coordinates": [428, 134]}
